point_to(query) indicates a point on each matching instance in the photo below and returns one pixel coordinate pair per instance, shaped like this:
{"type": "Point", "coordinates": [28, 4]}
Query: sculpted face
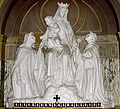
{"type": "Point", "coordinates": [31, 37]}
{"type": "Point", "coordinates": [62, 12]}
{"type": "Point", "coordinates": [89, 38]}
{"type": "Point", "coordinates": [49, 20]}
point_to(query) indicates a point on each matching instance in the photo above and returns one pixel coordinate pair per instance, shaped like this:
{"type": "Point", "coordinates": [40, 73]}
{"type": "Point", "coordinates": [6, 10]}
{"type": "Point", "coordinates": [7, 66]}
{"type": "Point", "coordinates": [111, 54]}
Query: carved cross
{"type": "Point", "coordinates": [56, 98]}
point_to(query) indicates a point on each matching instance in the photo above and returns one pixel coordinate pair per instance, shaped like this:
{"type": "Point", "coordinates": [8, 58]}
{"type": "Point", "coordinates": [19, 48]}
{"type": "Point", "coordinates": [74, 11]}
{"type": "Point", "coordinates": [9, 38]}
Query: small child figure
{"type": "Point", "coordinates": [51, 37]}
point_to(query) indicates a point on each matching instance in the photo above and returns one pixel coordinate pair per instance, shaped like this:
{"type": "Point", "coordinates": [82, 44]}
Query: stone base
{"type": "Point", "coordinates": [66, 94]}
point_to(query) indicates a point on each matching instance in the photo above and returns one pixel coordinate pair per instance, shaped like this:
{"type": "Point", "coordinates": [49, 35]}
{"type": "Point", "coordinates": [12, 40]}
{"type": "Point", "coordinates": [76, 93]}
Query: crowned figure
{"type": "Point", "coordinates": [66, 33]}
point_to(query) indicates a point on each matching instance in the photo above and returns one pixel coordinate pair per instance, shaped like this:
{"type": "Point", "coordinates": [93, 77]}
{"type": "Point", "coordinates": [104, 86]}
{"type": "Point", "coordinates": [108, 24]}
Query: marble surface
{"type": "Point", "coordinates": [63, 70]}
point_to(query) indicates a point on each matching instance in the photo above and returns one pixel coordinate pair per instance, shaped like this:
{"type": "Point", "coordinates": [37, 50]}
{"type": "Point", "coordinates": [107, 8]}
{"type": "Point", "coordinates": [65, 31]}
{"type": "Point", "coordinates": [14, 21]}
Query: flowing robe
{"type": "Point", "coordinates": [26, 78]}
{"type": "Point", "coordinates": [58, 57]}
{"type": "Point", "coordinates": [95, 91]}
{"type": "Point", "coordinates": [53, 62]}
{"type": "Point", "coordinates": [80, 74]}
{"type": "Point", "coordinates": [66, 33]}
{"type": "Point", "coordinates": [58, 63]}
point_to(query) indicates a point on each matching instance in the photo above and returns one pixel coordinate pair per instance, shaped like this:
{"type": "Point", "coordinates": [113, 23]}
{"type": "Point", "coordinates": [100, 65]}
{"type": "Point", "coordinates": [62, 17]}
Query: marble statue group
{"type": "Point", "coordinates": [62, 69]}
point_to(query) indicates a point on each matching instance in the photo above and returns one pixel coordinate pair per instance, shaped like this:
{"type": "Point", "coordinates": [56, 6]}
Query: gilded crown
{"type": "Point", "coordinates": [62, 5]}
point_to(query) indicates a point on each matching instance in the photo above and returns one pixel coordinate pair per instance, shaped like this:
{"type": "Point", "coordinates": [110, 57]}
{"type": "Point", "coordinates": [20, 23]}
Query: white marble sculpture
{"type": "Point", "coordinates": [59, 64]}
{"type": "Point", "coordinates": [28, 70]}
{"type": "Point", "coordinates": [66, 33]}
{"type": "Point", "coordinates": [63, 70]}
{"type": "Point", "coordinates": [80, 74]}
{"type": "Point", "coordinates": [95, 90]}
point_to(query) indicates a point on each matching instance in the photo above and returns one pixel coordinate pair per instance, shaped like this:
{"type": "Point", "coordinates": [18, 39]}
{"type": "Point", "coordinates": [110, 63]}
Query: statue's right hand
{"type": "Point", "coordinates": [41, 37]}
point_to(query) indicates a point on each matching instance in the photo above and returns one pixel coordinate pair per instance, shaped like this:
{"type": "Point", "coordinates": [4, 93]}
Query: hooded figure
{"type": "Point", "coordinates": [95, 91]}
{"type": "Point", "coordinates": [28, 70]}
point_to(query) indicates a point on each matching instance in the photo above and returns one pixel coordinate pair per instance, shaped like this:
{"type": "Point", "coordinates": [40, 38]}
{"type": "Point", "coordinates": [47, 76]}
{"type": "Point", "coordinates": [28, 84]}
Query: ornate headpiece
{"type": "Point", "coordinates": [62, 5]}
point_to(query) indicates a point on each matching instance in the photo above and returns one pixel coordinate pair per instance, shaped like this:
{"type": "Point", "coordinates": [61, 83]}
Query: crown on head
{"type": "Point", "coordinates": [62, 5]}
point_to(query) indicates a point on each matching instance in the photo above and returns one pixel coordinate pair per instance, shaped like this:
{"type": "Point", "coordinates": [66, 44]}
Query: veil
{"type": "Point", "coordinates": [57, 15]}
{"type": "Point", "coordinates": [26, 39]}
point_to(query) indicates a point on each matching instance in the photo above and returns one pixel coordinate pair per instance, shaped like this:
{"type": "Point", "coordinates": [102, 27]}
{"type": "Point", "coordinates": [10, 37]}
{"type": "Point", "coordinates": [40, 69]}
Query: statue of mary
{"type": "Point", "coordinates": [66, 33]}
{"type": "Point", "coordinates": [66, 36]}
{"type": "Point", "coordinates": [59, 67]}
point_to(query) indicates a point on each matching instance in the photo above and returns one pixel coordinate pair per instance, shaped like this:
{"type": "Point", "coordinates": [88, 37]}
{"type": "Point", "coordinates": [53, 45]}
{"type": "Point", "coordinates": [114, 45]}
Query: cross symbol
{"type": "Point", "coordinates": [57, 98]}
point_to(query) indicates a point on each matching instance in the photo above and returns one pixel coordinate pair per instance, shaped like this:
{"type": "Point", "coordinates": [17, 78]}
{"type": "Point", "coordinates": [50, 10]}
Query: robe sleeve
{"type": "Point", "coordinates": [21, 53]}
{"type": "Point", "coordinates": [87, 54]}
{"type": "Point", "coordinates": [88, 59]}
